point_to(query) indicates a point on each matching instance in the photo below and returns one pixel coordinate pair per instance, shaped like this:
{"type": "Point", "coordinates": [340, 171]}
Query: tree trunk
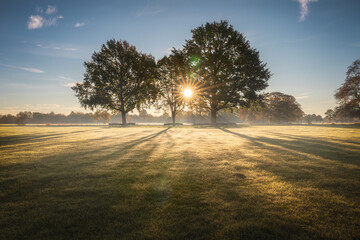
{"type": "Point", "coordinates": [123, 118]}
{"type": "Point", "coordinates": [173, 118]}
{"type": "Point", "coordinates": [213, 117]}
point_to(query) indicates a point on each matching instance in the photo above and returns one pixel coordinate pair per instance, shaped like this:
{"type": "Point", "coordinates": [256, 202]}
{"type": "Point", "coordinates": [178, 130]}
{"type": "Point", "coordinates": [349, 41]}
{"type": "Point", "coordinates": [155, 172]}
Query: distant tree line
{"type": "Point", "coordinates": [54, 118]}
{"type": "Point", "coordinates": [255, 114]}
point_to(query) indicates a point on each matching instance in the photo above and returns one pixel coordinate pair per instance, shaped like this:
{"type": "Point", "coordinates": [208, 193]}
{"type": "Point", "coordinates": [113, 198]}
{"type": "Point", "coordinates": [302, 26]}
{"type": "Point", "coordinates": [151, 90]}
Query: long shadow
{"type": "Point", "coordinates": [337, 178]}
{"type": "Point", "coordinates": [24, 138]}
{"type": "Point", "coordinates": [65, 162]}
{"type": "Point", "coordinates": [44, 144]}
{"type": "Point", "coordinates": [331, 142]}
{"type": "Point", "coordinates": [84, 202]}
{"type": "Point", "coordinates": [308, 145]}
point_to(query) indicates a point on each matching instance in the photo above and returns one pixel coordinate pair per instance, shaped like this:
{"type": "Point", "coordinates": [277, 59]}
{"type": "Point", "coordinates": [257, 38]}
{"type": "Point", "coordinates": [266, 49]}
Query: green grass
{"type": "Point", "coordinates": [252, 182]}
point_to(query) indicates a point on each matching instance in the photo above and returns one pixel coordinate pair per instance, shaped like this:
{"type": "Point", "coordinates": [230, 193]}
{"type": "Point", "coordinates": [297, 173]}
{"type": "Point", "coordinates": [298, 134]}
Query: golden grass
{"type": "Point", "coordinates": [287, 182]}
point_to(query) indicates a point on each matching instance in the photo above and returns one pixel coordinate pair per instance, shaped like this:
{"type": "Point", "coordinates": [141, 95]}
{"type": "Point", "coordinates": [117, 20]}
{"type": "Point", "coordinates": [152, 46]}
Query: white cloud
{"type": "Point", "coordinates": [51, 9]}
{"type": "Point", "coordinates": [70, 84]}
{"type": "Point", "coordinates": [34, 70]}
{"type": "Point", "coordinates": [35, 22]}
{"type": "Point", "coordinates": [79, 24]}
{"type": "Point", "coordinates": [56, 48]}
{"type": "Point", "coordinates": [304, 9]}
{"type": "Point", "coordinates": [301, 97]}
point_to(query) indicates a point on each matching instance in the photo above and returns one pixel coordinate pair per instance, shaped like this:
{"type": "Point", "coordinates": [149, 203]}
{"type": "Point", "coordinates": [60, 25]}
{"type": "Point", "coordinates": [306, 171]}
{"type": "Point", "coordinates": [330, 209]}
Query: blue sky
{"type": "Point", "coordinates": [307, 44]}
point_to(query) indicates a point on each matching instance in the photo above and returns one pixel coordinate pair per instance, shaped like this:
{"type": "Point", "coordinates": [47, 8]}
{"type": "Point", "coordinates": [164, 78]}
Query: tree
{"type": "Point", "coordinates": [228, 68]}
{"type": "Point", "coordinates": [282, 108]}
{"type": "Point", "coordinates": [118, 78]}
{"type": "Point", "coordinates": [348, 95]}
{"type": "Point", "coordinates": [172, 74]}
{"type": "Point", "coordinates": [23, 117]}
{"type": "Point", "coordinates": [101, 115]}
{"type": "Point", "coordinates": [329, 115]}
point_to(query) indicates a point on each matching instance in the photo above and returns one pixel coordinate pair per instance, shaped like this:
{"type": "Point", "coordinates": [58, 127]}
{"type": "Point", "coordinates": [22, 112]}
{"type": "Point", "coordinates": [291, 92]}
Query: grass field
{"type": "Point", "coordinates": [251, 182]}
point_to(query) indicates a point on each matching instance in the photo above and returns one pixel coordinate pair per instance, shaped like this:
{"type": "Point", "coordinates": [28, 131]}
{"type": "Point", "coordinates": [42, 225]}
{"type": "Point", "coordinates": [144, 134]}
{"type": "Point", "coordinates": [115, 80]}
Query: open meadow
{"type": "Point", "coordinates": [249, 182]}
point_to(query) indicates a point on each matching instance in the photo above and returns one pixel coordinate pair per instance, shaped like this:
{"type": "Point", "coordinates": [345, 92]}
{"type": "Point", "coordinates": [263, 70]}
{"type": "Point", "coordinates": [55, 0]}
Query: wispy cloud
{"type": "Point", "coordinates": [69, 82]}
{"type": "Point", "coordinates": [301, 97]}
{"type": "Point", "coordinates": [51, 10]}
{"type": "Point", "coordinates": [56, 48]}
{"type": "Point", "coordinates": [66, 78]}
{"type": "Point", "coordinates": [34, 70]}
{"type": "Point", "coordinates": [38, 21]}
{"type": "Point", "coordinates": [304, 9]}
{"type": "Point", "coordinates": [150, 9]}
{"type": "Point", "coordinates": [79, 24]}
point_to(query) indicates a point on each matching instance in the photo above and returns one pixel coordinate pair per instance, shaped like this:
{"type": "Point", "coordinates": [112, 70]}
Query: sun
{"type": "Point", "coordinates": [188, 92]}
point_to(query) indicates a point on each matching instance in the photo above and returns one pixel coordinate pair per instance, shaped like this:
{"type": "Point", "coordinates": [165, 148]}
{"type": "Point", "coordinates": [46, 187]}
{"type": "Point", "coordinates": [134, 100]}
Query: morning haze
{"type": "Point", "coordinates": [179, 119]}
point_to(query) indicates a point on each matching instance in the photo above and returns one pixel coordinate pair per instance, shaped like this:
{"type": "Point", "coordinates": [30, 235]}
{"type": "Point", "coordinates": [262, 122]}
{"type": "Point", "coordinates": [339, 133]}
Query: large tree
{"type": "Point", "coordinates": [348, 95]}
{"type": "Point", "coordinates": [118, 78]}
{"type": "Point", "coordinates": [282, 108]}
{"type": "Point", "coordinates": [173, 76]}
{"type": "Point", "coordinates": [229, 69]}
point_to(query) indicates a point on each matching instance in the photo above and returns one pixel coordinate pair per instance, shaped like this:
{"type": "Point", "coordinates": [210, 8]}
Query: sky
{"type": "Point", "coordinates": [307, 44]}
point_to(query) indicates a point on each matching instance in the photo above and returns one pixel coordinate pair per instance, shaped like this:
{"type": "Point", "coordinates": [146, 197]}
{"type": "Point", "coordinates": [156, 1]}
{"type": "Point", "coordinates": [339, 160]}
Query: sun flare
{"type": "Point", "coordinates": [188, 92]}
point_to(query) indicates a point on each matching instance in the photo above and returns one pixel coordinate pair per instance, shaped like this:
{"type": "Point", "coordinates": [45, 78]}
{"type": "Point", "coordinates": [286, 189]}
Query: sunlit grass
{"type": "Point", "coordinates": [288, 182]}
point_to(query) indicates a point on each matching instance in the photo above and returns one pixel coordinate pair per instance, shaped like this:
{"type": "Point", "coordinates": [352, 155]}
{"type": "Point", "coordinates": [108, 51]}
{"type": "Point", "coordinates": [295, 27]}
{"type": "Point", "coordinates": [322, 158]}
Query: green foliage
{"type": "Point", "coordinates": [118, 78]}
{"type": "Point", "coordinates": [229, 69]}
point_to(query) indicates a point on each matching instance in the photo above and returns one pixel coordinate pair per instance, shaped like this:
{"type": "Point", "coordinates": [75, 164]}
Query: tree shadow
{"type": "Point", "coordinates": [309, 145]}
{"type": "Point", "coordinates": [73, 199]}
{"type": "Point", "coordinates": [33, 138]}
{"type": "Point", "coordinates": [324, 164]}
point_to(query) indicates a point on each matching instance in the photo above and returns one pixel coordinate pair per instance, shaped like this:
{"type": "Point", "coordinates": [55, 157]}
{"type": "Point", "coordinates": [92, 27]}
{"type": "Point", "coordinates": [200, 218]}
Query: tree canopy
{"type": "Point", "coordinates": [118, 78]}
{"type": "Point", "coordinates": [172, 78]}
{"type": "Point", "coordinates": [348, 95]}
{"type": "Point", "coordinates": [283, 108]}
{"type": "Point", "coordinates": [229, 69]}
